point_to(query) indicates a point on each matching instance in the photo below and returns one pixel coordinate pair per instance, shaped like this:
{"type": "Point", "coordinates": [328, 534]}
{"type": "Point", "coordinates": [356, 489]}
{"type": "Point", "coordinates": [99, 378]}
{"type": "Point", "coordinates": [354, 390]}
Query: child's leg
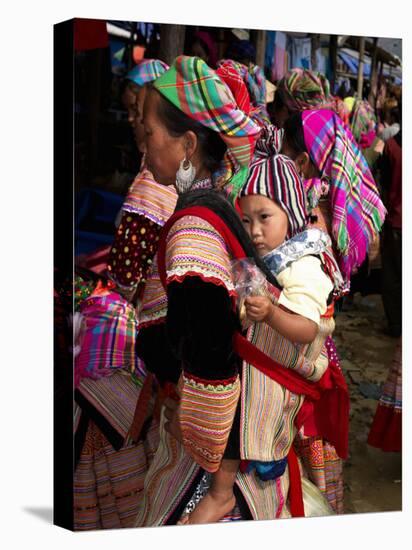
{"type": "Point", "coordinates": [220, 499]}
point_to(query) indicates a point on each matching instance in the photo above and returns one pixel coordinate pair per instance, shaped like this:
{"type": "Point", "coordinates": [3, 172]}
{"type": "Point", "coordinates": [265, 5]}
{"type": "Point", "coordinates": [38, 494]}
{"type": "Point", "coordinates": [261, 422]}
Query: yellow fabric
{"type": "Point", "coordinates": [349, 102]}
{"type": "Point", "coordinates": [305, 288]}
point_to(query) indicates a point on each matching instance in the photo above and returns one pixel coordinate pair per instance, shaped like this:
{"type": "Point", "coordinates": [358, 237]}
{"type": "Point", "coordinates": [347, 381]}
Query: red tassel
{"type": "Point", "coordinates": [297, 509]}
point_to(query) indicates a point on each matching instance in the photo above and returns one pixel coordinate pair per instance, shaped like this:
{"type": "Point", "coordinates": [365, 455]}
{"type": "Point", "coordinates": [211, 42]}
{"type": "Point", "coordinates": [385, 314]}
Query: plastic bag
{"type": "Point", "coordinates": [315, 504]}
{"type": "Point", "coordinates": [249, 281]}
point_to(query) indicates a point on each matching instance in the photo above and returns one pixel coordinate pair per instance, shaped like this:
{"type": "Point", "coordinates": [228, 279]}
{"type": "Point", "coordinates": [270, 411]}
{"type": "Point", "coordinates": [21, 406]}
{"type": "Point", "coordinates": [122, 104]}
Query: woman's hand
{"type": "Point", "coordinates": [258, 308]}
{"type": "Point", "coordinates": [172, 425]}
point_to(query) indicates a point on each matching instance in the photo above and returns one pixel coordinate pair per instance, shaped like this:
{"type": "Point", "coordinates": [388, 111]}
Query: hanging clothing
{"type": "Point", "coordinates": [300, 52]}
{"type": "Point", "coordinates": [279, 66]}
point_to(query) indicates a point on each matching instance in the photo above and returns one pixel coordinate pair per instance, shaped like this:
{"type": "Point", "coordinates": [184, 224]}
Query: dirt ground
{"type": "Point", "coordinates": [373, 478]}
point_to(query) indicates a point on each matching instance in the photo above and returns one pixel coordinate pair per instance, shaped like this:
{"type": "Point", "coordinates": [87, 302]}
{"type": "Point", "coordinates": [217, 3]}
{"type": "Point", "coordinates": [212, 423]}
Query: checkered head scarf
{"type": "Point", "coordinates": [304, 89]}
{"type": "Point", "coordinates": [196, 90]}
{"type": "Point", "coordinates": [363, 123]}
{"type": "Point", "coordinates": [276, 178]}
{"type": "Point", "coordinates": [229, 73]}
{"type": "Point", "coordinates": [357, 211]}
{"type": "Point", "coordinates": [147, 71]}
{"type": "Point", "coordinates": [255, 81]}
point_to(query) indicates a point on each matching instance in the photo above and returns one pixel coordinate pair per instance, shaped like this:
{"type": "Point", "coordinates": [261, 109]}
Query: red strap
{"type": "Point", "coordinates": [329, 416]}
{"type": "Point", "coordinates": [291, 380]}
{"type": "Point", "coordinates": [296, 506]}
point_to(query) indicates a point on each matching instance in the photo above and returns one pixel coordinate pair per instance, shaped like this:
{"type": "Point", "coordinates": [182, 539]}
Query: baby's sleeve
{"type": "Point", "coordinates": [306, 288]}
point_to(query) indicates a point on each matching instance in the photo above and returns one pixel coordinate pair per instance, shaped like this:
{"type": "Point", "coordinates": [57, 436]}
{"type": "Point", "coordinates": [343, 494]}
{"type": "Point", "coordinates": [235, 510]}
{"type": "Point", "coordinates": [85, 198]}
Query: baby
{"type": "Point", "coordinates": [273, 207]}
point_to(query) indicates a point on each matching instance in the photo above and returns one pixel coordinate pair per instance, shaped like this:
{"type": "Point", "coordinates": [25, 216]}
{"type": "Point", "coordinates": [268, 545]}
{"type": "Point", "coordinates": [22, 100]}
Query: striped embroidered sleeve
{"type": "Point", "coordinates": [195, 248]}
{"type": "Point", "coordinates": [207, 411]}
{"type": "Point", "coordinates": [200, 325]}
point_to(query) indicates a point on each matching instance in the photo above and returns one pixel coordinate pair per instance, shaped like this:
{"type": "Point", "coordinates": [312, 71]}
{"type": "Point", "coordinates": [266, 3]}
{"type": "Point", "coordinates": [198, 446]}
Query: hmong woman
{"type": "Point", "coordinates": [148, 205]}
{"type": "Point", "coordinates": [112, 450]}
{"type": "Point", "coordinates": [343, 195]}
{"type": "Point", "coordinates": [192, 124]}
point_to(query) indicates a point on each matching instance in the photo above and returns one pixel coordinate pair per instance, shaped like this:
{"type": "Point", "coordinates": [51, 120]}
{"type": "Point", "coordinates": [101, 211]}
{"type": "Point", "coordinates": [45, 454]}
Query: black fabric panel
{"type": "Point", "coordinates": [200, 327]}
{"type": "Point", "coordinates": [154, 348]}
{"type": "Point", "coordinates": [232, 451]}
{"type": "Point", "coordinates": [115, 439]}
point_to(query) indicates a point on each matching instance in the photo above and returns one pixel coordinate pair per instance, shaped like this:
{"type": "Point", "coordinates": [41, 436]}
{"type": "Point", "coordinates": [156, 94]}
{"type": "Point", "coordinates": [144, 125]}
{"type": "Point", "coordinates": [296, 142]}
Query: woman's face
{"type": "Point", "coordinates": [164, 152]}
{"type": "Point", "coordinates": [133, 100]}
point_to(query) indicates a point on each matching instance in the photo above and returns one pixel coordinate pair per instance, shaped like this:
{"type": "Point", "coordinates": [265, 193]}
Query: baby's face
{"type": "Point", "coordinates": [265, 221]}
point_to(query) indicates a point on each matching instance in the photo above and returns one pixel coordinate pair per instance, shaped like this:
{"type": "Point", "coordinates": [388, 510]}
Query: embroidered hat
{"type": "Point", "coordinates": [276, 178]}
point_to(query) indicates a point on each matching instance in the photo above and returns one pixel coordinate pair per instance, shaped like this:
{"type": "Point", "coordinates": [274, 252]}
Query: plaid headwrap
{"type": "Point", "coordinates": [303, 89]}
{"type": "Point", "coordinates": [196, 90]}
{"type": "Point", "coordinates": [146, 71]}
{"type": "Point", "coordinates": [276, 178]}
{"type": "Point", "coordinates": [232, 78]}
{"type": "Point", "coordinates": [260, 79]}
{"type": "Point", "coordinates": [363, 123]}
{"type": "Point", "coordinates": [255, 81]}
{"type": "Point", "coordinates": [357, 211]}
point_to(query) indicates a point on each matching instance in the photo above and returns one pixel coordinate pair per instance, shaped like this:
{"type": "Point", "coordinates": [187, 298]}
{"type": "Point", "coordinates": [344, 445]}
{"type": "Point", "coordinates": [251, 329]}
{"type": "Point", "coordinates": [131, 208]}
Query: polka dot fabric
{"type": "Point", "coordinates": [133, 249]}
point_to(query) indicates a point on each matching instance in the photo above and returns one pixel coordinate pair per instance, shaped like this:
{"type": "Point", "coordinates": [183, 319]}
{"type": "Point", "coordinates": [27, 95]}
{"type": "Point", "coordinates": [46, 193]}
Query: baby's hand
{"type": "Point", "coordinates": [258, 308]}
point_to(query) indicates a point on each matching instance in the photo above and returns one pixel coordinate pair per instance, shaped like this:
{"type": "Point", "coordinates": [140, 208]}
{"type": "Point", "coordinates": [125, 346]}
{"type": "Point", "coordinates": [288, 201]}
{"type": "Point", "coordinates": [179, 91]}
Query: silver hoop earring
{"type": "Point", "coordinates": [185, 176]}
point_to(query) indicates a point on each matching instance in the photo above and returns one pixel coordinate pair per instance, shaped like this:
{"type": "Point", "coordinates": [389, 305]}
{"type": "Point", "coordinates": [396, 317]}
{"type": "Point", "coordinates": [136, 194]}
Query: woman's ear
{"type": "Point", "coordinates": [304, 165]}
{"type": "Point", "coordinates": [190, 143]}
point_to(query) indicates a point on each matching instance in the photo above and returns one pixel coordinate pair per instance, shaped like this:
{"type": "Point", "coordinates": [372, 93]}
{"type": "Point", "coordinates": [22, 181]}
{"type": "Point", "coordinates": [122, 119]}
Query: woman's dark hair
{"type": "Point", "coordinates": [278, 102]}
{"type": "Point", "coordinates": [294, 133]}
{"type": "Point", "coordinates": [128, 84]}
{"type": "Point", "coordinates": [212, 147]}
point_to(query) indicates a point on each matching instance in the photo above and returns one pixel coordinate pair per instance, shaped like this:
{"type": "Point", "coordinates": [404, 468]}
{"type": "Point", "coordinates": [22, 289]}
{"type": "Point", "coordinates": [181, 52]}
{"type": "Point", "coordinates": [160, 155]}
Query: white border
{"type": "Point", "coordinates": [26, 368]}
